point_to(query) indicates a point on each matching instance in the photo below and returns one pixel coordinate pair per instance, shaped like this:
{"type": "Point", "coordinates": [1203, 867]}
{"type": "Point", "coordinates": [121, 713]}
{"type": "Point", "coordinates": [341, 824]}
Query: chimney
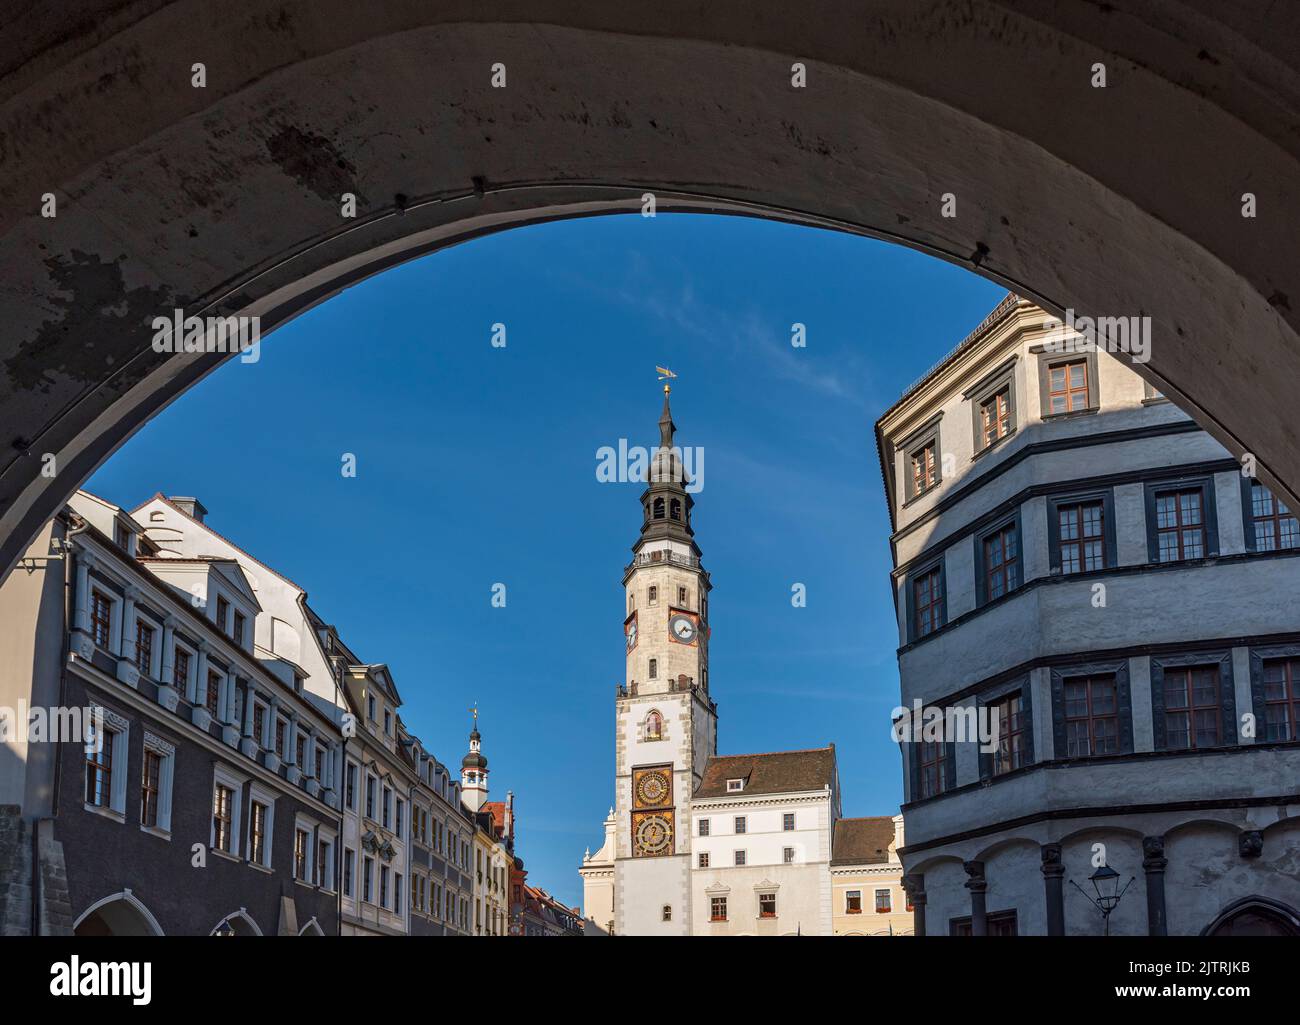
{"type": "Point", "coordinates": [189, 506]}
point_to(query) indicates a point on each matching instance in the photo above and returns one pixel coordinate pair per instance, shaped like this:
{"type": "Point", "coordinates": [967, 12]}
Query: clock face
{"type": "Point", "coordinates": [653, 833]}
{"type": "Point", "coordinates": [631, 635]}
{"type": "Point", "coordinates": [683, 629]}
{"type": "Point", "coordinates": [652, 789]}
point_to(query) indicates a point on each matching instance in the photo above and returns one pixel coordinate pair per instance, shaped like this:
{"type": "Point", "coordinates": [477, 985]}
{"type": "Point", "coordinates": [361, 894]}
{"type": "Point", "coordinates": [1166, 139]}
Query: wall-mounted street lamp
{"type": "Point", "coordinates": [1105, 884]}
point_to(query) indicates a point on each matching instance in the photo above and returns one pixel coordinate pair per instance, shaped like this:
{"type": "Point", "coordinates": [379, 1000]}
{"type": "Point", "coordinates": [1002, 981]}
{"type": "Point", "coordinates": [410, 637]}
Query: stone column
{"type": "Point", "coordinates": [126, 624]}
{"type": "Point", "coordinates": [1054, 887]}
{"type": "Point", "coordinates": [915, 887]}
{"type": "Point", "coordinates": [247, 745]}
{"type": "Point", "coordinates": [978, 886]}
{"type": "Point", "coordinates": [1153, 864]}
{"type": "Point", "coordinates": [167, 674]}
{"type": "Point", "coordinates": [200, 686]}
{"type": "Point", "coordinates": [81, 614]}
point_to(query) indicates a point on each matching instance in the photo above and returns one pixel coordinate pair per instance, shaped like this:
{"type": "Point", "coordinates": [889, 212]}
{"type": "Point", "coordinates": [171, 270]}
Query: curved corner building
{"type": "Point", "coordinates": [1078, 562]}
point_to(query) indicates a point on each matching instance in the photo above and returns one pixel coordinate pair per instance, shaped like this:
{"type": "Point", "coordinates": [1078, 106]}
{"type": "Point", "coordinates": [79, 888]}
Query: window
{"type": "Point", "coordinates": [367, 879]}
{"type": "Point", "coordinates": [659, 508]}
{"type": "Point", "coordinates": [388, 722]}
{"type": "Point", "coordinates": [1009, 714]}
{"type": "Point", "coordinates": [995, 417]}
{"type": "Point", "coordinates": [370, 708]}
{"type": "Point", "coordinates": [1091, 716]}
{"type": "Point", "coordinates": [853, 902]}
{"type": "Point", "coordinates": [257, 833]}
{"type": "Point", "coordinates": [1192, 710]}
{"type": "Point", "coordinates": [704, 827]}
{"type": "Point", "coordinates": [384, 873]}
{"type": "Point", "coordinates": [397, 891]}
{"type": "Point", "coordinates": [734, 786]}
{"type": "Point", "coordinates": [654, 669]}
{"type": "Point", "coordinates": [1000, 923]}
{"type": "Point", "coordinates": [767, 905]}
{"type": "Point", "coordinates": [884, 902]}
{"type": "Point", "coordinates": [301, 844]}
{"type": "Point", "coordinates": [223, 802]}
{"type": "Point", "coordinates": [740, 823]}
{"type": "Point", "coordinates": [654, 726]}
{"type": "Point", "coordinates": [787, 821]}
{"type": "Point", "coordinates": [739, 858]}
{"type": "Point", "coordinates": [1180, 524]}
{"type": "Point", "coordinates": [238, 632]}
{"type": "Point", "coordinates": [932, 757]}
{"type": "Point", "coordinates": [652, 595]}
{"type": "Point", "coordinates": [259, 712]}
{"type": "Point", "coordinates": [1281, 692]}
{"type": "Point", "coordinates": [370, 797]}
{"type": "Point", "coordinates": [150, 788]}
{"type": "Point", "coordinates": [1274, 524]}
{"type": "Point", "coordinates": [704, 859]}
{"type": "Point", "coordinates": [223, 609]}
{"type": "Point", "coordinates": [387, 807]}
{"type": "Point", "coordinates": [1000, 562]}
{"type": "Point", "coordinates": [181, 670]}
{"type": "Point", "coordinates": [717, 909]}
{"type": "Point", "coordinates": [143, 645]}
{"type": "Point", "coordinates": [1067, 388]}
{"type": "Point", "coordinates": [1082, 536]}
{"type": "Point", "coordinates": [318, 770]}
{"type": "Point", "coordinates": [927, 602]}
{"type": "Point", "coordinates": [924, 469]}
{"type": "Point", "coordinates": [280, 728]}
{"type": "Point", "coordinates": [401, 808]}
{"type": "Point", "coordinates": [300, 749]}
{"type": "Point", "coordinates": [668, 913]}
{"type": "Point", "coordinates": [349, 864]}
{"type": "Point", "coordinates": [212, 696]}
{"type": "Point", "coordinates": [324, 875]}
{"type": "Point", "coordinates": [101, 618]}
{"type": "Point", "coordinates": [787, 855]}
{"type": "Point", "coordinates": [99, 769]}
{"type": "Point", "coordinates": [681, 596]}
{"type": "Point", "coordinates": [675, 508]}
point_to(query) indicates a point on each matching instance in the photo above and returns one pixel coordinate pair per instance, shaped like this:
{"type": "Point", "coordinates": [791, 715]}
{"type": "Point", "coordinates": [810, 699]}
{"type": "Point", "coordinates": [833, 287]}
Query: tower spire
{"type": "Point", "coordinates": [666, 503]}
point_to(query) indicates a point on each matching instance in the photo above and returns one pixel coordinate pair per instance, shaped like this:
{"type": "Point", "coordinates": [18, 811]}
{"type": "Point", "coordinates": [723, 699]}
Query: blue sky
{"type": "Point", "coordinates": [476, 465]}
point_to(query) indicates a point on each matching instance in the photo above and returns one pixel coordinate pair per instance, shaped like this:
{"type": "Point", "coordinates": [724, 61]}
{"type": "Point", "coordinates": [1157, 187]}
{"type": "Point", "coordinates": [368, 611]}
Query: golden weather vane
{"type": "Point", "coordinates": [664, 375]}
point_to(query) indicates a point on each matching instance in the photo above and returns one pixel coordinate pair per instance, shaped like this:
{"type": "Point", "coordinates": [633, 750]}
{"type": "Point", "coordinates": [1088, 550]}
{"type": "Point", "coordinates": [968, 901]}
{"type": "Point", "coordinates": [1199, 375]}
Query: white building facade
{"type": "Point", "coordinates": [1075, 558]}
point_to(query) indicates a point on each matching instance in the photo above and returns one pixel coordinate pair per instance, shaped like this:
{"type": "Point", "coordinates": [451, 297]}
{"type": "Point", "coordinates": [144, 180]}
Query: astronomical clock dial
{"type": "Point", "coordinates": [652, 833]}
{"type": "Point", "coordinates": [682, 629]}
{"type": "Point", "coordinates": [653, 789]}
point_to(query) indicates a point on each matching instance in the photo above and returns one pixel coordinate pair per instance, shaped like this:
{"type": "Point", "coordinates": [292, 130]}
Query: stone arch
{"type": "Point", "coordinates": [1255, 916]}
{"type": "Point", "coordinates": [312, 928]}
{"type": "Point", "coordinates": [654, 726]}
{"type": "Point", "coordinates": [237, 923]}
{"type": "Point", "coordinates": [249, 174]}
{"type": "Point", "coordinates": [118, 914]}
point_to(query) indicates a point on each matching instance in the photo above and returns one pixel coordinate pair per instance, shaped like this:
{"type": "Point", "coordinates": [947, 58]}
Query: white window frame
{"type": "Point", "coordinates": [735, 786]}
{"type": "Point", "coordinates": [221, 775]}
{"type": "Point", "coordinates": [166, 776]}
{"type": "Point", "coordinates": [263, 796]}
{"type": "Point", "coordinates": [308, 826]}
{"type": "Point", "coordinates": [119, 727]}
{"type": "Point", "coordinates": [349, 859]}
{"type": "Point", "coordinates": [331, 837]}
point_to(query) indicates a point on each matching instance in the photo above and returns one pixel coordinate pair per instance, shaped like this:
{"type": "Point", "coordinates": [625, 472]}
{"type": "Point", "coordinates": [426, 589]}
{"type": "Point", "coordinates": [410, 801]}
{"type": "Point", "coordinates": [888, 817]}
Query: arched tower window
{"type": "Point", "coordinates": [659, 508]}
{"type": "Point", "coordinates": [654, 725]}
{"type": "Point", "coordinates": [675, 508]}
{"type": "Point", "coordinates": [654, 669]}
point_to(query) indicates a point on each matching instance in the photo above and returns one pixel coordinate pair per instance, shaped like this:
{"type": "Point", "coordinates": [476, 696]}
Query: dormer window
{"type": "Point", "coordinates": [734, 786]}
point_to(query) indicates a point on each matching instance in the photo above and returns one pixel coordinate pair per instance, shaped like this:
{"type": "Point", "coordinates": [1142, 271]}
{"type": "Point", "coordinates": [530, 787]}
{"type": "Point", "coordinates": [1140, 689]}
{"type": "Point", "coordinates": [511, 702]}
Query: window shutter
{"type": "Point", "coordinates": [1228, 699]}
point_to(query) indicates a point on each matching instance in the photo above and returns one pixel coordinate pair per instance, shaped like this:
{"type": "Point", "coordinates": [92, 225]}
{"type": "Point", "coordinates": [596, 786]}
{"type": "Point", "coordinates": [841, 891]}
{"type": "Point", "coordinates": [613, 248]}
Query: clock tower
{"type": "Point", "coordinates": [666, 720]}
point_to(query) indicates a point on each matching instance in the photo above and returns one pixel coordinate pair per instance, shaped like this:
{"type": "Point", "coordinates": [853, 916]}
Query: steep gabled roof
{"type": "Point", "coordinates": [776, 772]}
{"type": "Point", "coordinates": [862, 841]}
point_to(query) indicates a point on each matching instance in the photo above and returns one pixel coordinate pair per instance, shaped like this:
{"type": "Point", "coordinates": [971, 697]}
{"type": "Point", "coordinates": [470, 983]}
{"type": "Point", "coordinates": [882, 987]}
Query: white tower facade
{"type": "Point", "coordinates": [474, 772]}
{"type": "Point", "coordinates": [665, 720]}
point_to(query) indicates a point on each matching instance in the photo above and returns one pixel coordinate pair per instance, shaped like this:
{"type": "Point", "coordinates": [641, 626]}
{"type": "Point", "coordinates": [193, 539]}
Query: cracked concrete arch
{"type": "Point", "coordinates": [225, 200]}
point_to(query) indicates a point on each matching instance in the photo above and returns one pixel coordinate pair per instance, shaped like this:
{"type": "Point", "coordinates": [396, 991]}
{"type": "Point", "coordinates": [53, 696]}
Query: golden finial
{"type": "Point", "coordinates": [664, 375]}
